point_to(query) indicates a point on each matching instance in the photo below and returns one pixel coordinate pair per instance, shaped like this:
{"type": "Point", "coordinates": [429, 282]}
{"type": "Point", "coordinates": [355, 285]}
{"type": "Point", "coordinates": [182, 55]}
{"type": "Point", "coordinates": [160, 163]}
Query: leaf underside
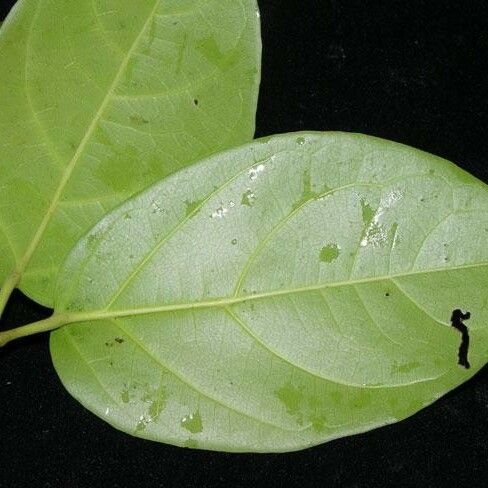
{"type": "Point", "coordinates": [278, 295]}
{"type": "Point", "coordinates": [102, 98]}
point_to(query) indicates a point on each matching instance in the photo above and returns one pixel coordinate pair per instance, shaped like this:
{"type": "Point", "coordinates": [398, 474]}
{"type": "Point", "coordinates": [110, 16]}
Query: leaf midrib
{"type": "Point", "coordinates": [24, 261]}
{"type": "Point", "coordinates": [225, 302]}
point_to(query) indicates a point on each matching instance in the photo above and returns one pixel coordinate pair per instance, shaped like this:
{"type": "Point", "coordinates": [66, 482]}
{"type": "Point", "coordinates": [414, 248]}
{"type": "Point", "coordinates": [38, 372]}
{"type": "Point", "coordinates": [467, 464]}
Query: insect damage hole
{"type": "Point", "coordinates": [457, 322]}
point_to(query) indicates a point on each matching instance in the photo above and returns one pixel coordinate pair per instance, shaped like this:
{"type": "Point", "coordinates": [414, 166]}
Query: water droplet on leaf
{"type": "Point", "coordinates": [156, 207]}
{"type": "Point", "coordinates": [192, 422]}
{"type": "Point", "coordinates": [254, 172]}
{"type": "Point", "coordinates": [143, 423]}
{"type": "Point", "coordinates": [220, 213]}
{"type": "Point", "coordinates": [248, 198]}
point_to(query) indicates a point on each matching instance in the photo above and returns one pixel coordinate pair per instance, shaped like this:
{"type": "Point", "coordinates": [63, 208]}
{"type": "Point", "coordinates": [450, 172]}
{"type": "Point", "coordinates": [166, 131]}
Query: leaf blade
{"type": "Point", "coordinates": [115, 144]}
{"type": "Point", "coordinates": [275, 344]}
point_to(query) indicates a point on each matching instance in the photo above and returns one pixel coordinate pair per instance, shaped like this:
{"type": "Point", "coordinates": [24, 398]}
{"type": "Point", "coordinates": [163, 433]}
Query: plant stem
{"type": "Point", "coordinates": [8, 287]}
{"type": "Point", "coordinates": [52, 323]}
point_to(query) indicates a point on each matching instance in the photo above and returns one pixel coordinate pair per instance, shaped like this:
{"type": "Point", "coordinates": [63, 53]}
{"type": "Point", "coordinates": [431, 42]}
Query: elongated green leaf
{"type": "Point", "coordinates": [278, 295]}
{"type": "Point", "coordinates": [102, 98]}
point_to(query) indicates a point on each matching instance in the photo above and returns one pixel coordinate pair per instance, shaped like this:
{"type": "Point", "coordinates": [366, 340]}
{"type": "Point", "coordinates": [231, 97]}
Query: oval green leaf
{"type": "Point", "coordinates": [99, 100]}
{"type": "Point", "coordinates": [278, 295]}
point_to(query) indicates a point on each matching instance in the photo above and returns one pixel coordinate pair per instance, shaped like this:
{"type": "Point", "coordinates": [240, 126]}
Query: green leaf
{"type": "Point", "coordinates": [99, 100]}
{"type": "Point", "coordinates": [277, 295]}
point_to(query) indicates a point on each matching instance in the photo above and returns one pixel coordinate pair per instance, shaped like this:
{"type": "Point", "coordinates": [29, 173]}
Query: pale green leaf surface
{"type": "Point", "coordinates": [100, 99]}
{"type": "Point", "coordinates": [278, 295]}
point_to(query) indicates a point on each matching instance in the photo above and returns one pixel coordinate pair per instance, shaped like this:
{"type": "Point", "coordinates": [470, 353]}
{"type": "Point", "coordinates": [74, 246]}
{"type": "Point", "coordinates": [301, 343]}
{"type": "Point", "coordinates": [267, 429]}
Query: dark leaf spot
{"type": "Point", "coordinates": [138, 119]}
{"type": "Point", "coordinates": [457, 322]}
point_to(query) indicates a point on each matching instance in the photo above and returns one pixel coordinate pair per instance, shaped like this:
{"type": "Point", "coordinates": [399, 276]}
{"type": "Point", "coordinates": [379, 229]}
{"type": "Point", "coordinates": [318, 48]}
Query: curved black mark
{"type": "Point", "coordinates": [457, 322]}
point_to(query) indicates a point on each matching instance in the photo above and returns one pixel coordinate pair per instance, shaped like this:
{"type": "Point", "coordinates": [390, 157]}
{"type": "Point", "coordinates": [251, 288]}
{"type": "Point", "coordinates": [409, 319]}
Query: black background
{"type": "Point", "coordinates": [412, 71]}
